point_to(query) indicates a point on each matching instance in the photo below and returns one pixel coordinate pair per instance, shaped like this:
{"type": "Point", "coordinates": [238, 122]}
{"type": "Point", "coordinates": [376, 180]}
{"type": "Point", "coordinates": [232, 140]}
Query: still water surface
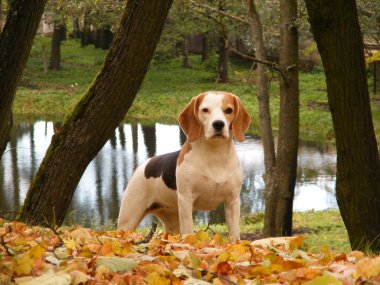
{"type": "Point", "coordinates": [97, 198]}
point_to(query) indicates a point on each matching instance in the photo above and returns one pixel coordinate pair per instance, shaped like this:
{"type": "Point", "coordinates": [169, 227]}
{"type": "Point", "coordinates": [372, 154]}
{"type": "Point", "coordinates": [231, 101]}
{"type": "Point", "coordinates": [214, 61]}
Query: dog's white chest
{"type": "Point", "coordinates": [209, 182]}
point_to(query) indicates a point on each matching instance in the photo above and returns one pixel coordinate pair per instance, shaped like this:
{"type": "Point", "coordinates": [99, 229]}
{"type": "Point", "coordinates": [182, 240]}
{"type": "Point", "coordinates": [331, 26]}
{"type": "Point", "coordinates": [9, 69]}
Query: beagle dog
{"type": "Point", "coordinates": [200, 176]}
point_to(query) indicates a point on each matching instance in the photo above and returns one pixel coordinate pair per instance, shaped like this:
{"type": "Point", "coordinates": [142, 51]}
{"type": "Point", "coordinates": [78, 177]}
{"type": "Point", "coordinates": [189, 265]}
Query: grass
{"type": "Point", "coordinates": [165, 90]}
{"type": "Point", "coordinates": [321, 229]}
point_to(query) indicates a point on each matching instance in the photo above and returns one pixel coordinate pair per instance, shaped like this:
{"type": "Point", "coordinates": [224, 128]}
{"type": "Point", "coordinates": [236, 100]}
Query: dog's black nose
{"type": "Point", "coordinates": [218, 125]}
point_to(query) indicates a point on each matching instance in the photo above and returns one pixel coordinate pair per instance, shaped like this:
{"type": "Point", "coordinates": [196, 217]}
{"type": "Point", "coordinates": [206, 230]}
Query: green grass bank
{"type": "Point", "coordinates": [166, 89]}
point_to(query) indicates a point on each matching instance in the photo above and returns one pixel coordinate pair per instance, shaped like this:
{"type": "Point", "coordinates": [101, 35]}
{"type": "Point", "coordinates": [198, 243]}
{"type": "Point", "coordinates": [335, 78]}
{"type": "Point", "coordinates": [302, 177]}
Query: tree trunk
{"type": "Point", "coordinates": [185, 53]}
{"type": "Point", "coordinates": [76, 29]}
{"type": "Point", "coordinates": [107, 38]}
{"type": "Point", "coordinates": [280, 198]}
{"type": "Point", "coordinates": [223, 61]}
{"type": "Point", "coordinates": [55, 55]}
{"type": "Point", "coordinates": [15, 44]}
{"type": "Point", "coordinates": [205, 47]}
{"type": "Point", "coordinates": [1, 17]}
{"type": "Point", "coordinates": [63, 32]}
{"type": "Point", "coordinates": [85, 35]}
{"type": "Point", "coordinates": [97, 115]}
{"type": "Point", "coordinates": [99, 33]}
{"type": "Point", "coordinates": [264, 111]}
{"type": "Point", "coordinates": [336, 30]}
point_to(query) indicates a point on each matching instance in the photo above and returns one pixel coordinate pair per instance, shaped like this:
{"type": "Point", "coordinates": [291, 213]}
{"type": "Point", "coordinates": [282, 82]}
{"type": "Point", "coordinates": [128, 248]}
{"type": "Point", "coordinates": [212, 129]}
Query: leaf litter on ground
{"type": "Point", "coordinates": [38, 255]}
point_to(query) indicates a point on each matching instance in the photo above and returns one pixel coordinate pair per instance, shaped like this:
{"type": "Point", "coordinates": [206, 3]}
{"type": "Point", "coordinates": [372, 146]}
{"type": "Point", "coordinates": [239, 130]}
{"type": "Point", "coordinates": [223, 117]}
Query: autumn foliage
{"type": "Point", "coordinates": [37, 255]}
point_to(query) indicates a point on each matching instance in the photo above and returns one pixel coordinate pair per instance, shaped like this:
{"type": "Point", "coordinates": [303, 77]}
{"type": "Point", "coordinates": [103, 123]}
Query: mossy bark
{"type": "Point", "coordinates": [336, 30]}
{"type": "Point", "coordinates": [99, 112]}
{"type": "Point", "coordinates": [15, 44]}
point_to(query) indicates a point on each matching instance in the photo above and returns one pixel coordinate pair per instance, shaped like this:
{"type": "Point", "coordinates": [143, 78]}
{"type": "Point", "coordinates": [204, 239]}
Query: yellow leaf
{"type": "Point", "coordinates": [217, 240]}
{"type": "Point", "coordinates": [23, 264]}
{"type": "Point", "coordinates": [189, 238]}
{"type": "Point", "coordinates": [195, 262]}
{"type": "Point", "coordinates": [116, 264]}
{"type": "Point", "coordinates": [154, 278]}
{"type": "Point", "coordinates": [368, 267]}
{"type": "Point", "coordinates": [86, 252]}
{"type": "Point", "coordinates": [154, 268]}
{"type": "Point", "coordinates": [70, 244]}
{"type": "Point", "coordinates": [203, 238]}
{"type": "Point", "coordinates": [36, 252]}
{"type": "Point", "coordinates": [324, 280]}
{"type": "Point", "coordinates": [296, 242]}
{"type": "Point", "coordinates": [237, 251]}
{"type": "Point", "coordinates": [225, 256]}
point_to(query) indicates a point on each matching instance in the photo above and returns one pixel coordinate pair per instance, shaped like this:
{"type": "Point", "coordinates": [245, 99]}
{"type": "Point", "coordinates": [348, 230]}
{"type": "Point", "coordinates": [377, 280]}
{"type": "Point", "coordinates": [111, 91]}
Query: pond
{"type": "Point", "coordinates": [98, 195]}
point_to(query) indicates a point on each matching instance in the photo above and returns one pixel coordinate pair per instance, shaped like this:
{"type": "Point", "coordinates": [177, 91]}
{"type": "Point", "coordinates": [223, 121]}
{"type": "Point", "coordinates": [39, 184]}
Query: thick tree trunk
{"type": "Point", "coordinates": [98, 113]}
{"type": "Point", "coordinates": [223, 61]}
{"type": "Point", "coordinates": [55, 55]}
{"type": "Point", "coordinates": [336, 30]}
{"type": "Point", "coordinates": [280, 199]}
{"type": "Point", "coordinates": [185, 53]}
{"type": "Point", "coordinates": [15, 44]}
{"type": "Point", "coordinates": [264, 112]}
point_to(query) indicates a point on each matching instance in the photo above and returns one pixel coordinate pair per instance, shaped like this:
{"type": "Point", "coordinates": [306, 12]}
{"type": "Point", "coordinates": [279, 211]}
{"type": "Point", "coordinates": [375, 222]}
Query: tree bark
{"type": "Point", "coordinates": [85, 34]}
{"type": "Point", "coordinates": [280, 198]}
{"type": "Point", "coordinates": [262, 84]}
{"type": "Point", "coordinates": [205, 47]}
{"type": "Point", "coordinates": [76, 29]}
{"type": "Point", "coordinates": [223, 61]}
{"type": "Point", "coordinates": [98, 113]}
{"type": "Point", "coordinates": [55, 55]}
{"type": "Point", "coordinates": [336, 30]}
{"type": "Point", "coordinates": [185, 53]}
{"type": "Point", "coordinates": [15, 44]}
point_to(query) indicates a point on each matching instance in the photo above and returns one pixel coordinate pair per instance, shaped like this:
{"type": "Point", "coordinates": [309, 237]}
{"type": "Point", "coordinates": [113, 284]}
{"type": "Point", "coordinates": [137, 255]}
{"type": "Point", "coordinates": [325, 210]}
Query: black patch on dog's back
{"type": "Point", "coordinates": [165, 166]}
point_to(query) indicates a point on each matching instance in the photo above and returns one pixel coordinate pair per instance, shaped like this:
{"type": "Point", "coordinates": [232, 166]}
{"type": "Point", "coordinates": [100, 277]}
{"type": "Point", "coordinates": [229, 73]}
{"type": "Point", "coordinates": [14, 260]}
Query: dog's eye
{"type": "Point", "coordinates": [228, 111]}
{"type": "Point", "coordinates": [205, 110]}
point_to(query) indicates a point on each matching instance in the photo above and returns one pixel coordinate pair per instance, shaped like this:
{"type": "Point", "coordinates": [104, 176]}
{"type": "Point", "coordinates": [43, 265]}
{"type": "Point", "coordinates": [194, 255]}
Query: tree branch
{"type": "Point", "coordinates": [225, 14]}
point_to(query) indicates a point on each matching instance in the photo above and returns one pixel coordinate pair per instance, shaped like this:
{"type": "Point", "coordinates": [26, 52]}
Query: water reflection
{"type": "Point", "coordinates": [97, 198]}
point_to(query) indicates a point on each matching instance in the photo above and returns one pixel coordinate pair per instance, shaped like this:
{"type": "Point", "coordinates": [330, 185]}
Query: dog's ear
{"type": "Point", "coordinates": [189, 122]}
{"type": "Point", "coordinates": [241, 122]}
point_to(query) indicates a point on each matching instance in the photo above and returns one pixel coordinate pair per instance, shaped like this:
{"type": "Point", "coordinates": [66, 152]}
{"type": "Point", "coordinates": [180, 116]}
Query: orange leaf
{"type": "Point", "coordinates": [223, 268]}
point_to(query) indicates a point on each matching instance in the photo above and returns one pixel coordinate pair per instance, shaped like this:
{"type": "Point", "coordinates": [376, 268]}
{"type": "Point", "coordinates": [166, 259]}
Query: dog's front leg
{"type": "Point", "coordinates": [232, 212]}
{"type": "Point", "coordinates": [185, 210]}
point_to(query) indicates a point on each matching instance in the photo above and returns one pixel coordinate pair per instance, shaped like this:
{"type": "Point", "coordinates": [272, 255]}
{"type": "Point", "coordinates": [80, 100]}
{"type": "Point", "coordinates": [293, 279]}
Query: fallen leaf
{"type": "Point", "coordinates": [324, 280]}
{"type": "Point", "coordinates": [368, 267]}
{"type": "Point", "coordinates": [116, 264]}
{"type": "Point", "coordinates": [49, 278]}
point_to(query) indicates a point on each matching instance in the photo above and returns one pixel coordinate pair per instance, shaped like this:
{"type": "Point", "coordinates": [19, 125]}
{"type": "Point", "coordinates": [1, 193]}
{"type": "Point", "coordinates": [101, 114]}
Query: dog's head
{"type": "Point", "coordinates": [216, 115]}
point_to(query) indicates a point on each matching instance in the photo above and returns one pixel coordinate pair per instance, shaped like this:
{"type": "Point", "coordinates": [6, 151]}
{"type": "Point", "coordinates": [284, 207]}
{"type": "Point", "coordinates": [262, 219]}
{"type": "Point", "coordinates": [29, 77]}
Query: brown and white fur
{"type": "Point", "coordinates": [203, 174]}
